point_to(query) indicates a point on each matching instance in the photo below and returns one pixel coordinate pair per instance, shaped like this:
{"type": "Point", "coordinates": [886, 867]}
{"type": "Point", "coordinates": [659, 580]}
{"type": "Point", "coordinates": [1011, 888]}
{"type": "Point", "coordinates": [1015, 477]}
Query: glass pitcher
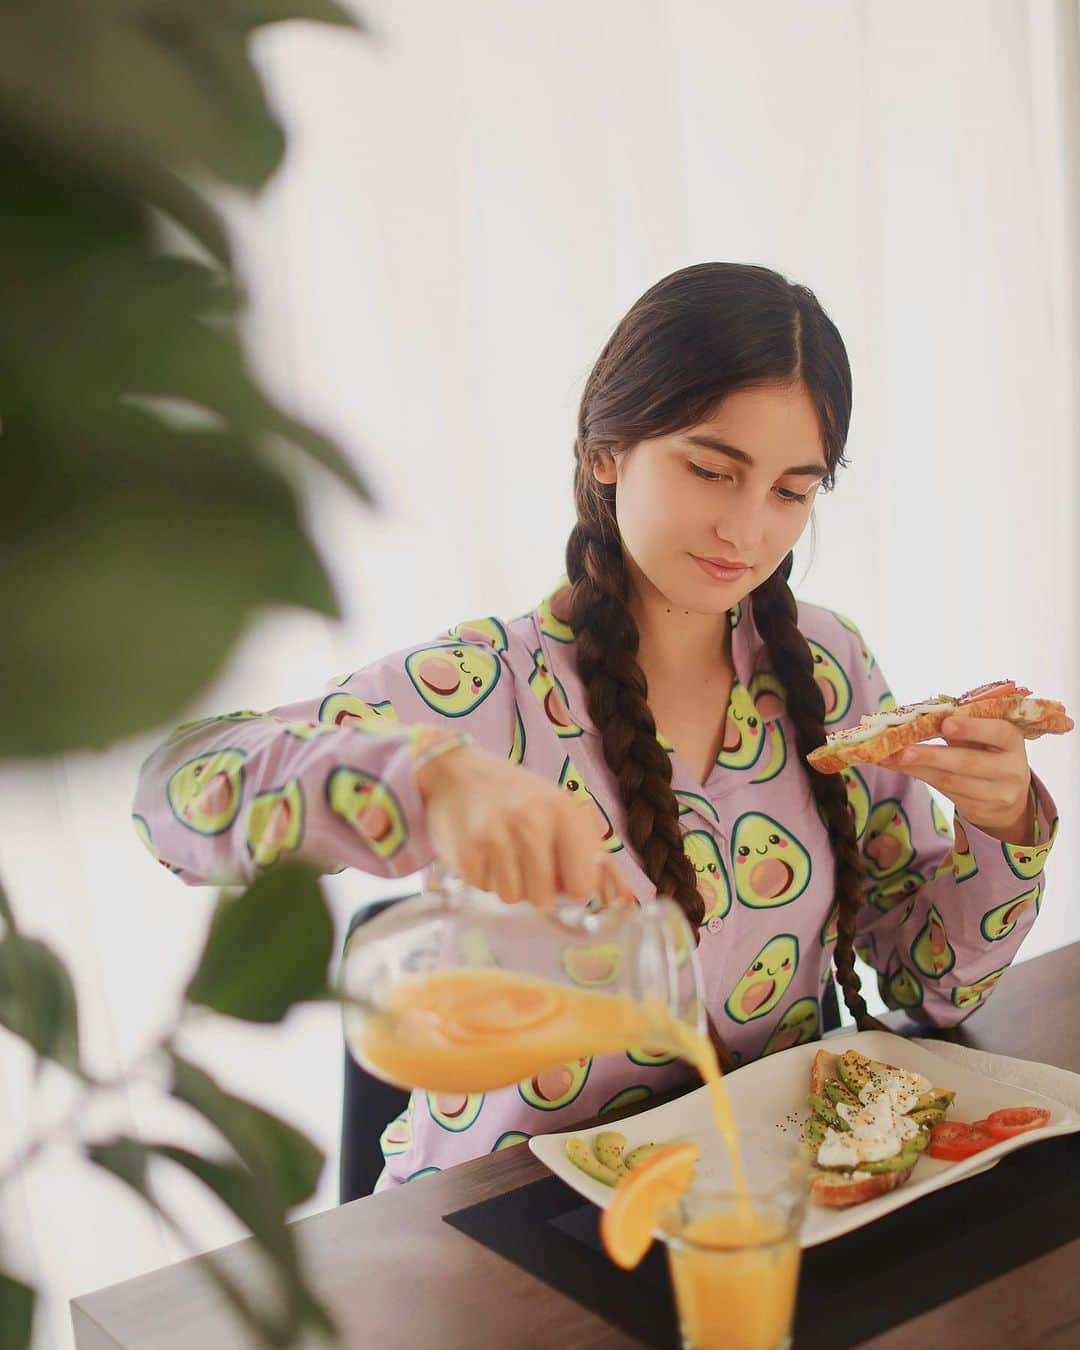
{"type": "Point", "coordinates": [456, 991]}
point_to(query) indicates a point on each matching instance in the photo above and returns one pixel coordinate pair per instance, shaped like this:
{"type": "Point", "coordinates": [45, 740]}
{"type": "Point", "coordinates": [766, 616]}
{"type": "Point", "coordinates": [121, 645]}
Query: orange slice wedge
{"type": "Point", "coordinates": [502, 1012]}
{"type": "Point", "coordinates": [640, 1198]}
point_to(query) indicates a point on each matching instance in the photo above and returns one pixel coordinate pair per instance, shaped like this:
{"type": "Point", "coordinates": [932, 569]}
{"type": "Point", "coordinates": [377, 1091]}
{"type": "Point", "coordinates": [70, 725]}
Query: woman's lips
{"type": "Point", "coordinates": [717, 572]}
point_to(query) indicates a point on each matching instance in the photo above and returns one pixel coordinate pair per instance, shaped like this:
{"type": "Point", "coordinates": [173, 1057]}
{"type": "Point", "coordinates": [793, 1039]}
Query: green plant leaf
{"type": "Point", "coordinates": [16, 1312]}
{"type": "Point", "coordinates": [255, 1206]}
{"type": "Point", "coordinates": [266, 949]}
{"type": "Point", "coordinates": [139, 563]}
{"type": "Point", "coordinates": [283, 1157]}
{"type": "Point", "coordinates": [37, 999]}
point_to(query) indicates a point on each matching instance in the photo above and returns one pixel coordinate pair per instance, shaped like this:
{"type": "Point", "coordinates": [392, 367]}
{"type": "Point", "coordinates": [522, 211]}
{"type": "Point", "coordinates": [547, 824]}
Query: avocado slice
{"type": "Point", "coordinates": [837, 1091]}
{"type": "Point", "coordinates": [928, 1115]}
{"type": "Point", "coordinates": [607, 1147]}
{"type": "Point", "coordinates": [825, 1110]}
{"type": "Point", "coordinates": [907, 1156]}
{"type": "Point", "coordinates": [636, 1155]}
{"type": "Point", "coordinates": [813, 1130]}
{"type": "Point", "coordinates": [854, 1070]}
{"type": "Point", "coordinates": [581, 1155]}
{"type": "Point", "coordinates": [936, 1097]}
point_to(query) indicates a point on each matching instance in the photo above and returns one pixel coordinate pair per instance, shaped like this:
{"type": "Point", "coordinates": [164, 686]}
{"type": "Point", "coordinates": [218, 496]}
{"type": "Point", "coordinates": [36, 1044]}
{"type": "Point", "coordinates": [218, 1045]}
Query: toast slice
{"type": "Point", "coordinates": [832, 1081]}
{"type": "Point", "coordinates": [879, 735]}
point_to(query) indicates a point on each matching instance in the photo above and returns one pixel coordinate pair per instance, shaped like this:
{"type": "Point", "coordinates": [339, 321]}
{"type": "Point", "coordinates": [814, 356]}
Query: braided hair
{"type": "Point", "coordinates": [692, 339]}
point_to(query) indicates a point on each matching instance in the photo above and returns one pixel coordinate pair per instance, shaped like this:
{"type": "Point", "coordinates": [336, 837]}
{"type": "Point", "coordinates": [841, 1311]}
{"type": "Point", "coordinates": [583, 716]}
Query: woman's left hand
{"type": "Point", "coordinates": [982, 769]}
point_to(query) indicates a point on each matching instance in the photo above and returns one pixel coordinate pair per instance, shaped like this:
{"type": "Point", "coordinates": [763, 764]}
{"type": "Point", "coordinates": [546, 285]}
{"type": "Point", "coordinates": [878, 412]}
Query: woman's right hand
{"type": "Point", "coordinates": [503, 828]}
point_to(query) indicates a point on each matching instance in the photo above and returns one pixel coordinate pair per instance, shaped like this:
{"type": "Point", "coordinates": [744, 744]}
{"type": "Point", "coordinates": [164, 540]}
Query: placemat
{"type": "Point", "coordinates": [852, 1288]}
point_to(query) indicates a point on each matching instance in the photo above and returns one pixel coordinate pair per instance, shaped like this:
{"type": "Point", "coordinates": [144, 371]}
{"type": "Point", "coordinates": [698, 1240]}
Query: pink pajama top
{"type": "Point", "coordinates": [330, 780]}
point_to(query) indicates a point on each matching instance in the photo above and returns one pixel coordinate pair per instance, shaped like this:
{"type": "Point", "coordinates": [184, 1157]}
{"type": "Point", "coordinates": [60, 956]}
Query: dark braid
{"type": "Point", "coordinates": [606, 638]}
{"type": "Point", "coordinates": [775, 616]}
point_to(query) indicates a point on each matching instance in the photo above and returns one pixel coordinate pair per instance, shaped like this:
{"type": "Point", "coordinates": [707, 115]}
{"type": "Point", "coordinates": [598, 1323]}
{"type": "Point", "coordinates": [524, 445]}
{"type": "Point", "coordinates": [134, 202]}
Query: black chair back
{"type": "Point", "coordinates": [369, 1104]}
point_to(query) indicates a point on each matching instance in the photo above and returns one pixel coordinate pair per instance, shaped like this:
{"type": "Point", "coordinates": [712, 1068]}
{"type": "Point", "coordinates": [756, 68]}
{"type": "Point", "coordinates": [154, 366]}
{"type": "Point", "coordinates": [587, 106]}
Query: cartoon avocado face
{"type": "Point", "coordinates": [509, 1139]}
{"type": "Point", "coordinates": [831, 680]}
{"type": "Point", "coordinates": [1026, 860]}
{"type": "Point", "coordinates": [967, 995]}
{"type": "Point", "coordinates": [858, 795]}
{"type": "Point", "coordinates": [397, 1137]}
{"type": "Point", "coordinates": [744, 734]}
{"type": "Point", "coordinates": [453, 680]}
{"type": "Point", "coordinates": [275, 823]}
{"type": "Point", "coordinates": [554, 612]}
{"type": "Point", "coordinates": [769, 695]}
{"type": "Point", "coordinates": [596, 964]}
{"type": "Point", "coordinates": [940, 820]}
{"type": "Point", "coordinates": [205, 792]}
{"type": "Point", "coordinates": [691, 801]}
{"type": "Point", "coordinates": [551, 696]}
{"type": "Point", "coordinates": [556, 1087]}
{"type": "Point", "coordinates": [627, 1097]}
{"type": "Point", "coordinates": [830, 929]}
{"type": "Point", "coordinates": [765, 981]}
{"type": "Point", "coordinates": [887, 847]}
{"type": "Point", "coordinates": [571, 781]}
{"type": "Point", "coordinates": [774, 756]}
{"type": "Point", "coordinates": [479, 631]}
{"type": "Point", "coordinates": [798, 1026]}
{"type": "Point", "coordinates": [1000, 922]}
{"type": "Point", "coordinates": [369, 807]}
{"type": "Point", "coordinates": [454, 1111]}
{"type": "Point", "coordinates": [864, 651]}
{"type": "Point", "coordinates": [712, 882]}
{"type": "Point", "coordinates": [887, 895]}
{"type": "Point", "coordinates": [769, 864]}
{"type": "Point", "coordinates": [517, 744]}
{"type": "Point", "coordinates": [931, 952]}
{"type": "Point", "coordinates": [142, 829]}
{"type": "Point", "coordinates": [901, 987]}
{"type": "Point", "coordinates": [344, 710]}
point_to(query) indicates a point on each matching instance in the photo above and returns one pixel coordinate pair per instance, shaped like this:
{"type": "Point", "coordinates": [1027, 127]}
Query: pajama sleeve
{"type": "Point", "coordinates": [945, 906]}
{"type": "Point", "coordinates": [329, 780]}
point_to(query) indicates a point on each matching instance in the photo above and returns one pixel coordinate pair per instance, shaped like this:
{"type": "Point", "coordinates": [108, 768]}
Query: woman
{"type": "Point", "coordinates": [650, 721]}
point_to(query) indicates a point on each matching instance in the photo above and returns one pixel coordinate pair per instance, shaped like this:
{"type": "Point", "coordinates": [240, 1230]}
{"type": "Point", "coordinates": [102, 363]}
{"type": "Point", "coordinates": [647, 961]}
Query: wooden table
{"type": "Point", "coordinates": [396, 1275]}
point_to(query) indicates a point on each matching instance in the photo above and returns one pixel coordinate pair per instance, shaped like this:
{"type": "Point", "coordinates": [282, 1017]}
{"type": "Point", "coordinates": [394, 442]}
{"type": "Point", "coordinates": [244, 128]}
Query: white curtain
{"type": "Point", "coordinates": [472, 198]}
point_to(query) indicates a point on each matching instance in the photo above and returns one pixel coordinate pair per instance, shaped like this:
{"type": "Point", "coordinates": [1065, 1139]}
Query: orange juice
{"type": "Point", "coordinates": [735, 1274]}
{"type": "Point", "coordinates": [471, 1030]}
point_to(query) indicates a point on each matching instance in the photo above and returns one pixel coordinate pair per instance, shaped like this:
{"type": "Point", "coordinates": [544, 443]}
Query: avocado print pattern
{"type": "Point", "coordinates": [830, 929]}
{"type": "Point", "coordinates": [553, 613]}
{"type": "Point", "coordinates": [830, 679]}
{"type": "Point", "coordinates": [275, 823]}
{"type": "Point", "coordinates": [369, 807]}
{"type": "Point", "coordinates": [307, 731]}
{"type": "Point", "coordinates": [774, 756]}
{"type": "Point", "coordinates": [551, 1089]}
{"type": "Point", "coordinates": [968, 995]}
{"type": "Point", "coordinates": [769, 695]}
{"type": "Point", "coordinates": [691, 801]}
{"type": "Point", "coordinates": [517, 744]}
{"type": "Point", "coordinates": [143, 832]}
{"type": "Point", "coordinates": [960, 861]}
{"type": "Point", "coordinates": [452, 680]}
{"type": "Point", "coordinates": [887, 895]}
{"type": "Point", "coordinates": [627, 1097]}
{"type": "Point", "coordinates": [508, 1139]}
{"type": "Point", "coordinates": [593, 964]}
{"type": "Point", "coordinates": [205, 792]}
{"type": "Point", "coordinates": [744, 734]}
{"type": "Point", "coordinates": [397, 1137]}
{"type": "Point", "coordinates": [1001, 920]}
{"type": "Point", "coordinates": [570, 779]}
{"type": "Point", "coordinates": [712, 882]}
{"type": "Point", "coordinates": [769, 864]}
{"type": "Point", "coordinates": [939, 820]}
{"type": "Point", "coordinates": [887, 848]}
{"type": "Point", "coordinates": [765, 981]}
{"type": "Point", "coordinates": [899, 986]}
{"type": "Point", "coordinates": [551, 696]}
{"type": "Point", "coordinates": [488, 630]}
{"type": "Point", "coordinates": [343, 710]}
{"type": "Point", "coordinates": [798, 1026]}
{"type": "Point", "coordinates": [1026, 860]}
{"type": "Point", "coordinates": [858, 795]}
{"type": "Point", "coordinates": [454, 1111]}
{"type": "Point", "coordinates": [867, 655]}
{"type": "Point", "coordinates": [931, 952]}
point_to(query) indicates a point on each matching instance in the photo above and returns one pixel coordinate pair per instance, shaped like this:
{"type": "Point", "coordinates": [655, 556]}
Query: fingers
{"type": "Point", "coordinates": [576, 846]}
{"type": "Point", "coordinates": [992, 732]}
{"type": "Point", "coordinates": [504, 873]}
{"type": "Point", "coordinates": [919, 760]}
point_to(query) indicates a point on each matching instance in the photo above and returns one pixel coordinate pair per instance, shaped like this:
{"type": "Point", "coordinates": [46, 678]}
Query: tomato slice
{"type": "Point", "coordinates": [1012, 1120]}
{"type": "Point", "coordinates": [951, 1140]}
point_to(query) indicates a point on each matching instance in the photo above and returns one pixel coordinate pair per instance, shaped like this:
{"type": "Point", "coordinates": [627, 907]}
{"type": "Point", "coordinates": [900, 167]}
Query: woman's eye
{"type": "Point", "coordinates": [708, 474]}
{"type": "Point", "coordinates": [792, 498]}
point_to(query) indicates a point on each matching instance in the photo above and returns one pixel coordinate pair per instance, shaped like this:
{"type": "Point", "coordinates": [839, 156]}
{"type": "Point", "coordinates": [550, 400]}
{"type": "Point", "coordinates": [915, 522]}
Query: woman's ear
{"type": "Point", "coordinates": [604, 467]}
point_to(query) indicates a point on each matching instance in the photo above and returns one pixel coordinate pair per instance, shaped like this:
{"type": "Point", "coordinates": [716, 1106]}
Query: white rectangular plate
{"type": "Point", "coordinates": [770, 1094]}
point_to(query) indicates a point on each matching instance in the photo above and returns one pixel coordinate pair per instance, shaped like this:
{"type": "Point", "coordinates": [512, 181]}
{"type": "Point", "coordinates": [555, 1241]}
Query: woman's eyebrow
{"type": "Point", "coordinates": [714, 443]}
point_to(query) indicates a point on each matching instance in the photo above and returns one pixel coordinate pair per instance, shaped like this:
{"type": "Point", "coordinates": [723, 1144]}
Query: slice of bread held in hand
{"type": "Point", "coordinates": [879, 735]}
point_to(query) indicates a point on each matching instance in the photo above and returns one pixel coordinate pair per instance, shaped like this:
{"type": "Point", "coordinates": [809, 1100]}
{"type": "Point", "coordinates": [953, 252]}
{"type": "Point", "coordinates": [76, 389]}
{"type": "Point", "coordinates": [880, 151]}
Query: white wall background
{"type": "Point", "coordinates": [471, 201]}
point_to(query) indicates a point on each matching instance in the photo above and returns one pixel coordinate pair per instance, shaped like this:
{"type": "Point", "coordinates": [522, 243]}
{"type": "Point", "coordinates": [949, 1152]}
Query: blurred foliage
{"type": "Point", "coordinates": [148, 513]}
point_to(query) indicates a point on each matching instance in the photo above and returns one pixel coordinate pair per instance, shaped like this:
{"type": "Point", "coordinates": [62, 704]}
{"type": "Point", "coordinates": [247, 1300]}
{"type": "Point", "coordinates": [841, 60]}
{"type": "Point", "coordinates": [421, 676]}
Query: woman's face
{"type": "Point", "coordinates": [683, 501]}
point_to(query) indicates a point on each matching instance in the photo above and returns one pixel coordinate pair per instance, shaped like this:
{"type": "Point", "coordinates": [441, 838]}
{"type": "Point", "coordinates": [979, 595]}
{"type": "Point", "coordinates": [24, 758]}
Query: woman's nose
{"type": "Point", "coordinates": [743, 527]}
